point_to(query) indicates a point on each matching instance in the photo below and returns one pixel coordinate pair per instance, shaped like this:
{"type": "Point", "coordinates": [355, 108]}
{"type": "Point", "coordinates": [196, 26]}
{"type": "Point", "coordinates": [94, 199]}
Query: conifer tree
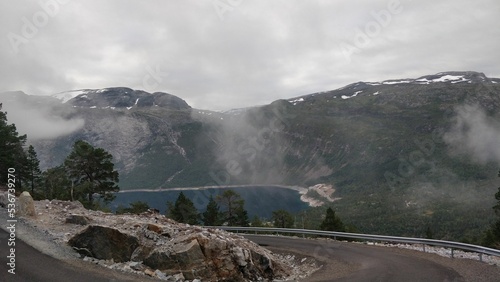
{"type": "Point", "coordinates": [33, 171]}
{"type": "Point", "coordinates": [242, 217]}
{"type": "Point", "coordinates": [332, 222]}
{"type": "Point", "coordinates": [211, 217]}
{"type": "Point", "coordinates": [282, 219]}
{"type": "Point", "coordinates": [57, 184]}
{"type": "Point", "coordinates": [12, 155]}
{"type": "Point", "coordinates": [93, 171]}
{"type": "Point", "coordinates": [233, 212]}
{"type": "Point", "coordinates": [184, 210]}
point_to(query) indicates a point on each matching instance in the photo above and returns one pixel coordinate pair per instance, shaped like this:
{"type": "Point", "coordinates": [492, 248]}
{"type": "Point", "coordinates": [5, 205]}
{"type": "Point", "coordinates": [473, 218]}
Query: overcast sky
{"type": "Point", "coordinates": [224, 54]}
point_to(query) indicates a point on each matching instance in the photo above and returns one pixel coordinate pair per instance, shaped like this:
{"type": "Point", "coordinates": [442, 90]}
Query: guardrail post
{"type": "Point", "coordinates": [423, 245]}
{"type": "Point", "coordinates": [452, 253]}
{"type": "Point", "coordinates": [481, 257]}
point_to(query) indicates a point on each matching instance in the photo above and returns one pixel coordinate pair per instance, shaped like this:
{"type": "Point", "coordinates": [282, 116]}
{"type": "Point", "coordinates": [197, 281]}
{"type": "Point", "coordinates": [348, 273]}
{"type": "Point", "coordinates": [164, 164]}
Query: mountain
{"type": "Point", "coordinates": [402, 154]}
{"type": "Point", "coordinates": [120, 97]}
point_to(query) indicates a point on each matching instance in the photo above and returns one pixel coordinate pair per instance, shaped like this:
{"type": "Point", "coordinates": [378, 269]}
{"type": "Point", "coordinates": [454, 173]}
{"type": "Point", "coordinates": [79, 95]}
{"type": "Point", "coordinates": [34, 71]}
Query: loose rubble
{"type": "Point", "coordinates": [151, 244]}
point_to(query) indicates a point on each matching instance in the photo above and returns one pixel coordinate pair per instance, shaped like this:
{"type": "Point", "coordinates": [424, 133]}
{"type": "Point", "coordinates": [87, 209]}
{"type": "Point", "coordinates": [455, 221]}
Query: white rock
{"type": "Point", "coordinates": [161, 275]}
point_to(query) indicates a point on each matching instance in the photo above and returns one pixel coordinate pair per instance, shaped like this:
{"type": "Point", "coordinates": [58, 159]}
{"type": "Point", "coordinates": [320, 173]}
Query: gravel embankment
{"type": "Point", "coordinates": [42, 241]}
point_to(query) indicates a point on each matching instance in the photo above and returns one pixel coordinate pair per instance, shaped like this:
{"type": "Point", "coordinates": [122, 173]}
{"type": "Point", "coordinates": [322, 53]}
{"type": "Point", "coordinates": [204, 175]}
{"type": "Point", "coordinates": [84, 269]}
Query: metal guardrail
{"type": "Point", "coordinates": [430, 242]}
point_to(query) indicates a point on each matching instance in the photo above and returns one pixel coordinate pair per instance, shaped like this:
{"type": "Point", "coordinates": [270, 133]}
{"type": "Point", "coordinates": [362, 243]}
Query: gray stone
{"type": "Point", "coordinates": [26, 206]}
{"type": "Point", "coordinates": [105, 243]}
{"type": "Point", "coordinates": [240, 256]}
{"type": "Point", "coordinates": [78, 219]}
{"type": "Point", "coordinates": [137, 266]}
{"type": "Point", "coordinates": [140, 253]}
{"type": "Point", "coordinates": [189, 253]}
{"type": "Point", "coordinates": [183, 256]}
{"type": "Point", "coordinates": [179, 277]}
{"type": "Point", "coordinates": [161, 275]}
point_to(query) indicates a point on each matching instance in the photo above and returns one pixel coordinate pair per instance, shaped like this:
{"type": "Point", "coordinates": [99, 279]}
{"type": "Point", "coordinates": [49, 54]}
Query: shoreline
{"type": "Point", "coordinates": [295, 188]}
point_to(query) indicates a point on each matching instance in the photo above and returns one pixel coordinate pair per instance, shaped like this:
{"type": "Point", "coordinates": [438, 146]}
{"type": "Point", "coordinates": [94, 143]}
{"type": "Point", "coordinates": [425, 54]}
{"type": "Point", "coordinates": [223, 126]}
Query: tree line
{"type": "Point", "coordinates": [228, 209]}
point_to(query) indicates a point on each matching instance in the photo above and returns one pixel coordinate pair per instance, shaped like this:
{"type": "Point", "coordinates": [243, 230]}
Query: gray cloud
{"type": "Point", "coordinates": [259, 52]}
{"type": "Point", "coordinates": [475, 133]}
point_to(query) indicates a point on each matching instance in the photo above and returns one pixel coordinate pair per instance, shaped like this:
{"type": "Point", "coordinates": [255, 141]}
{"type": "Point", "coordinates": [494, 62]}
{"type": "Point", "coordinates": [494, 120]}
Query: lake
{"type": "Point", "coordinates": [260, 201]}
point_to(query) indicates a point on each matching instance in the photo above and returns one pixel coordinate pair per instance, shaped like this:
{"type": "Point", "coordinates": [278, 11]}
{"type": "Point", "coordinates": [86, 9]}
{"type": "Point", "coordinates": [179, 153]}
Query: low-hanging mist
{"type": "Point", "coordinates": [475, 133]}
{"type": "Point", "coordinates": [250, 148]}
{"type": "Point", "coordinates": [39, 119]}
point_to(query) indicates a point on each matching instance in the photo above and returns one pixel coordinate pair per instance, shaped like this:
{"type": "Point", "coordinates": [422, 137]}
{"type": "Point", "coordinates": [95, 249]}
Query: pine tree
{"type": "Point", "coordinates": [211, 217]}
{"type": "Point", "coordinates": [233, 213]}
{"type": "Point", "coordinates": [332, 222]}
{"type": "Point", "coordinates": [242, 217]}
{"type": "Point", "coordinates": [12, 154]}
{"type": "Point", "coordinates": [282, 219]}
{"type": "Point", "coordinates": [56, 184]}
{"type": "Point", "coordinates": [184, 210]}
{"type": "Point", "coordinates": [92, 170]}
{"type": "Point", "coordinates": [33, 171]}
{"type": "Point", "coordinates": [256, 222]}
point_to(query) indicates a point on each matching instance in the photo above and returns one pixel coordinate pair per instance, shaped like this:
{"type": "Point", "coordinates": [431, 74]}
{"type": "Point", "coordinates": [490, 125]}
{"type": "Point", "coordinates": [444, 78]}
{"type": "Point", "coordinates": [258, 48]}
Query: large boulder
{"type": "Point", "coordinates": [25, 205]}
{"type": "Point", "coordinates": [104, 243]}
{"type": "Point", "coordinates": [181, 256]}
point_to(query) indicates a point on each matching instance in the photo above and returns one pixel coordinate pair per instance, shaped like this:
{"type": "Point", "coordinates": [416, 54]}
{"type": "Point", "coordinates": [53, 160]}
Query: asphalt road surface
{"type": "Point", "coordinates": [33, 266]}
{"type": "Point", "coordinates": [341, 262]}
{"type": "Point", "coordinates": [356, 262]}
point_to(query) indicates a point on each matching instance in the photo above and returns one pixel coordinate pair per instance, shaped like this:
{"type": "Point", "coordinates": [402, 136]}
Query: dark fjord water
{"type": "Point", "coordinates": [260, 201]}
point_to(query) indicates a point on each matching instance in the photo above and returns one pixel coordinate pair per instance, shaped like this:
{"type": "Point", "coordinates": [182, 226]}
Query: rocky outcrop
{"type": "Point", "coordinates": [153, 245]}
{"type": "Point", "coordinates": [104, 243]}
{"type": "Point", "coordinates": [205, 254]}
{"type": "Point", "coordinates": [25, 205]}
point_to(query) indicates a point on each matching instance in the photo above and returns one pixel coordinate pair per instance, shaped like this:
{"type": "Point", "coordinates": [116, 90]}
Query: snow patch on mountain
{"type": "Point", "coordinates": [353, 95]}
{"type": "Point", "coordinates": [390, 82]}
{"type": "Point", "coordinates": [295, 101]}
{"type": "Point", "coordinates": [68, 95]}
{"type": "Point", "coordinates": [451, 77]}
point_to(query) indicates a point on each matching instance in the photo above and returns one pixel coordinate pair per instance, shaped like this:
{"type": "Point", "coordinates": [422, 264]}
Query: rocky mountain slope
{"type": "Point", "coordinates": [401, 154]}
